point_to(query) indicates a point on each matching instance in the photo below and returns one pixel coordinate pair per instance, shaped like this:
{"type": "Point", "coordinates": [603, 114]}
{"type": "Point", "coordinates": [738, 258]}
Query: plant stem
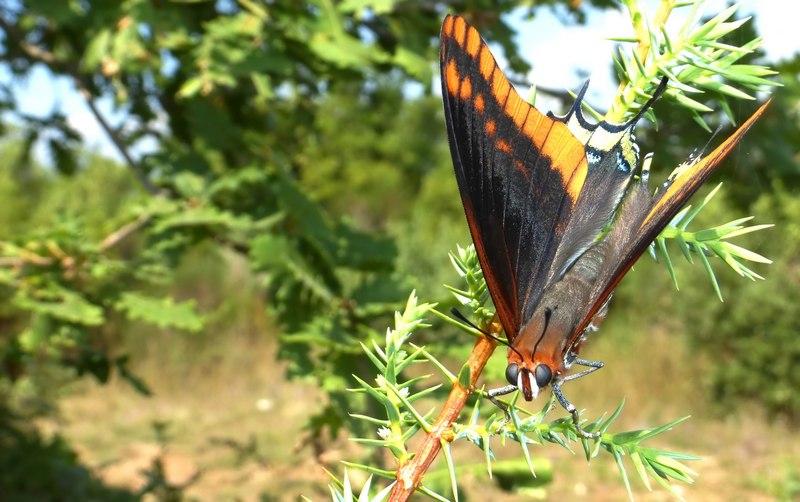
{"type": "Point", "coordinates": [409, 476]}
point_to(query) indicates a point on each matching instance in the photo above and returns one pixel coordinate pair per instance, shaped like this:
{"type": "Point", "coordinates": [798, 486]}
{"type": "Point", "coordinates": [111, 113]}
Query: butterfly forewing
{"type": "Point", "coordinates": [519, 172]}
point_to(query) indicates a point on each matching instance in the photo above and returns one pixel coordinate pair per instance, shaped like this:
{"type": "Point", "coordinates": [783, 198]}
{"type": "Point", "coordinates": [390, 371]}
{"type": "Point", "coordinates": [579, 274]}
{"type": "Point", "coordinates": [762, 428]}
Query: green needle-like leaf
{"type": "Point", "coordinates": [451, 468]}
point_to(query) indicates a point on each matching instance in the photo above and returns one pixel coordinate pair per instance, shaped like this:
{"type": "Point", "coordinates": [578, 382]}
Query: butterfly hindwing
{"type": "Point", "coordinates": [642, 217]}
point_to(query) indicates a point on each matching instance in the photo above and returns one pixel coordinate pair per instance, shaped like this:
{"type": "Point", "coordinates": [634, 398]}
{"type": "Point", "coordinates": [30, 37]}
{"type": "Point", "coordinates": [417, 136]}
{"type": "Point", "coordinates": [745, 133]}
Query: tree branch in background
{"type": "Point", "coordinates": [41, 55]}
{"type": "Point", "coordinates": [121, 233]}
{"type": "Point", "coordinates": [26, 257]}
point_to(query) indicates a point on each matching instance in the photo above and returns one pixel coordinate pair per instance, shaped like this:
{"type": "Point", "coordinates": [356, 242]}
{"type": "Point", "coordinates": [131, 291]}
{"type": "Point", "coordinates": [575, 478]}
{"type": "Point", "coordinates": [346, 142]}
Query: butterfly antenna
{"type": "Point", "coordinates": [457, 314]}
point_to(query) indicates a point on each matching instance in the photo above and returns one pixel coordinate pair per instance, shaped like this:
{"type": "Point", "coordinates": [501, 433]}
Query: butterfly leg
{"type": "Point", "coordinates": [502, 391]}
{"type": "Point", "coordinates": [593, 366]}
{"type": "Point", "coordinates": [570, 407]}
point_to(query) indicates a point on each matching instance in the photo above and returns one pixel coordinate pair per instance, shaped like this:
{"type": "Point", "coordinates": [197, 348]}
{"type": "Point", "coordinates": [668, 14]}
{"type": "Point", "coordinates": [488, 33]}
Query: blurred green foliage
{"type": "Point", "coordinates": [303, 138]}
{"type": "Point", "coordinates": [752, 337]}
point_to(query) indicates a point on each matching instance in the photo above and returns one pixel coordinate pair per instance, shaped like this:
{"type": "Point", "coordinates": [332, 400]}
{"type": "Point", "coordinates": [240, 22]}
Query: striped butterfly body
{"type": "Point", "coordinates": [539, 193]}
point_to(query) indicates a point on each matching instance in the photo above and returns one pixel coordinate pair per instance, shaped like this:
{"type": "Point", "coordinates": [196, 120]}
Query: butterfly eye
{"type": "Point", "coordinates": [543, 375]}
{"type": "Point", "coordinates": [512, 372]}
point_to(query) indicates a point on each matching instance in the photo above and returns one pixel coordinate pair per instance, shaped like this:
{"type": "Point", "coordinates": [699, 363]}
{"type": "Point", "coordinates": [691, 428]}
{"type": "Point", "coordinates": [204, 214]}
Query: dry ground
{"type": "Point", "coordinates": [233, 432]}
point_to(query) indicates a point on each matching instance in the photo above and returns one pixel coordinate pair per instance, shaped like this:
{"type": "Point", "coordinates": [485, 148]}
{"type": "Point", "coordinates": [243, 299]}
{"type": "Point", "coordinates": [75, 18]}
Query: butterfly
{"type": "Point", "coordinates": [557, 208]}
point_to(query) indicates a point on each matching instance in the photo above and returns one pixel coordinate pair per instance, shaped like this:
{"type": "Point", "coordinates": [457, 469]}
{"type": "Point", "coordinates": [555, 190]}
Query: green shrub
{"type": "Point", "coordinates": [752, 338]}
